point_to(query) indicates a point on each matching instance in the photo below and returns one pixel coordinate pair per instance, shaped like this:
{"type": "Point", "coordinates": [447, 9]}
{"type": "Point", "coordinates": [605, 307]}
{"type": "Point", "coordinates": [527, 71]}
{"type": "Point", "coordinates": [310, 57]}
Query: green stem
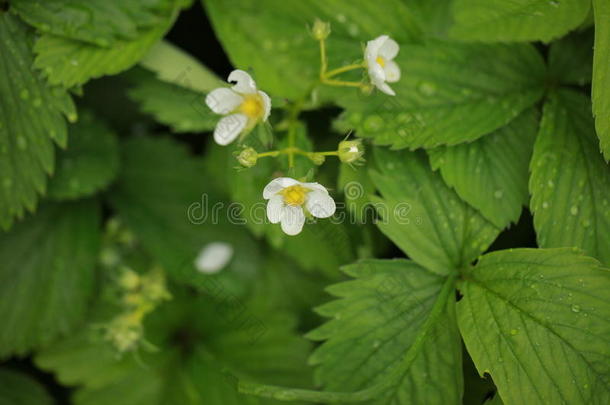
{"type": "Point", "coordinates": [373, 392]}
{"type": "Point", "coordinates": [342, 69]}
{"type": "Point", "coordinates": [323, 61]}
{"type": "Point", "coordinates": [341, 83]}
{"type": "Point", "coordinates": [329, 153]}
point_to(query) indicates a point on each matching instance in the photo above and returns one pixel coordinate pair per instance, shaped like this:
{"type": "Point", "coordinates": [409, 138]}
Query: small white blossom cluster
{"type": "Point", "coordinates": [243, 106]}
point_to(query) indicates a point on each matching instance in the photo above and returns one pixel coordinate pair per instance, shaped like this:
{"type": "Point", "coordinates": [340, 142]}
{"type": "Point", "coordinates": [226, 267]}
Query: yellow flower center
{"type": "Point", "coordinates": [294, 195]}
{"type": "Point", "coordinates": [252, 106]}
{"type": "Point", "coordinates": [381, 61]}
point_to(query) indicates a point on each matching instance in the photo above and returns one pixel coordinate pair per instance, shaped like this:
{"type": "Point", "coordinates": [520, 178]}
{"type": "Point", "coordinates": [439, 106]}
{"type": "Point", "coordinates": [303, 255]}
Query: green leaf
{"type": "Point", "coordinates": [491, 173]}
{"type": "Point", "coordinates": [537, 320]}
{"type": "Point", "coordinates": [517, 20]}
{"type": "Point", "coordinates": [90, 163]}
{"type": "Point", "coordinates": [570, 182]}
{"type": "Point", "coordinates": [198, 338]}
{"type": "Point", "coordinates": [20, 389]}
{"type": "Point", "coordinates": [99, 22]}
{"type": "Point", "coordinates": [30, 121]}
{"type": "Point", "coordinates": [601, 75]}
{"type": "Point", "coordinates": [571, 59]}
{"type": "Point", "coordinates": [46, 277]}
{"type": "Point", "coordinates": [162, 196]}
{"type": "Point", "coordinates": [272, 38]}
{"type": "Point", "coordinates": [448, 94]}
{"type": "Point", "coordinates": [69, 62]}
{"type": "Point", "coordinates": [174, 65]}
{"type": "Point", "coordinates": [377, 322]}
{"type": "Point", "coordinates": [423, 216]}
{"type": "Point", "coordinates": [182, 109]}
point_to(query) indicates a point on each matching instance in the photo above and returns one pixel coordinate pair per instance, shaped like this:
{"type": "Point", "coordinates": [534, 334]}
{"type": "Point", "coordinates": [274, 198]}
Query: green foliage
{"type": "Point", "coordinates": [571, 59]}
{"type": "Point", "coordinates": [19, 389]}
{"type": "Point", "coordinates": [570, 182]}
{"type": "Point", "coordinates": [46, 277]}
{"type": "Point", "coordinates": [449, 93]}
{"type": "Point", "coordinates": [365, 341]}
{"type": "Point", "coordinates": [89, 164]}
{"type": "Point", "coordinates": [491, 172]}
{"type": "Point", "coordinates": [601, 75]}
{"type": "Point", "coordinates": [518, 20]}
{"type": "Point", "coordinates": [31, 120]}
{"type": "Point", "coordinates": [539, 318]}
{"type": "Point", "coordinates": [424, 217]}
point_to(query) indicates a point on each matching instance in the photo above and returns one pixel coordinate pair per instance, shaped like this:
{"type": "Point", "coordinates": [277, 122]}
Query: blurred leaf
{"type": "Point", "coordinates": [424, 217]}
{"type": "Point", "coordinates": [600, 93]}
{"type": "Point", "coordinates": [570, 182]}
{"type": "Point", "coordinates": [272, 37]}
{"type": "Point", "coordinates": [393, 310]}
{"type": "Point", "coordinates": [435, 17]}
{"type": "Point", "coordinates": [89, 164]}
{"type": "Point", "coordinates": [20, 389]}
{"type": "Point", "coordinates": [99, 22]}
{"type": "Point", "coordinates": [528, 315]}
{"type": "Point", "coordinates": [571, 58]}
{"type": "Point", "coordinates": [517, 20]}
{"type": "Point", "coordinates": [181, 109]}
{"type": "Point", "coordinates": [69, 62]}
{"type": "Point", "coordinates": [46, 277]}
{"type": "Point", "coordinates": [162, 196]}
{"type": "Point", "coordinates": [448, 94]}
{"type": "Point", "coordinates": [173, 65]}
{"type": "Point", "coordinates": [356, 186]}
{"type": "Point", "coordinates": [30, 121]}
{"type": "Point", "coordinates": [491, 173]}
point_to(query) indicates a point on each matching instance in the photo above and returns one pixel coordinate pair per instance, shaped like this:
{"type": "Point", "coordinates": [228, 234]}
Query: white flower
{"type": "Point", "coordinates": [378, 55]}
{"type": "Point", "coordinates": [213, 257]}
{"type": "Point", "coordinates": [243, 106]}
{"type": "Point", "coordinates": [286, 200]}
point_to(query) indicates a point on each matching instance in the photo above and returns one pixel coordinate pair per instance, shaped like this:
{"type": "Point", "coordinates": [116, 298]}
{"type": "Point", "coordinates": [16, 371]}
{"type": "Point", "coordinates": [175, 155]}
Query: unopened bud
{"type": "Point", "coordinates": [247, 157]}
{"type": "Point", "coordinates": [320, 30]}
{"type": "Point", "coordinates": [317, 158]}
{"type": "Point", "coordinates": [350, 151]}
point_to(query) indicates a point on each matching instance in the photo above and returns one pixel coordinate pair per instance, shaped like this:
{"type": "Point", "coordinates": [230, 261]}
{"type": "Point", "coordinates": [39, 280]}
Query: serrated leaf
{"type": "Point", "coordinates": [46, 277]}
{"type": "Point", "coordinates": [601, 75]}
{"type": "Point", "coordinates": [162, 196]}
{"type": "Point", "coordinates": [448, 94]}
{"type": "Point", "coordinates": [173, 65]}
{"type": "Point", "coordinates": [181, 109]}
{"type": "Point", "coordinates": [571, 59]}
{"type": "Point", "coordinates": [70, 63]}
{"type": "Point", "coordinates": [89, 164]}
{"type": "Point", "coordinates": [516, 20]}
{"type": "Point", "coordinates": [31, 119]}
{"type": "Point", "coordinates": [272, 37]}
{"type": "Point", "coordinates": [537, 319]}
{"type": "Point", "coordinates": [423, 216]}
{"type": "Point", "coordinates": [20, 389]}
{"type": "Point", "coordinates": [99, 22]}
{"type": "Point", "coordinates": [491, 173]}
{"type": "Point", "coordinates": [237, 338]}
{"type": "Point", "coordinates": [570, 182]}
{"type": "Point", "coordinates": [378, 321]}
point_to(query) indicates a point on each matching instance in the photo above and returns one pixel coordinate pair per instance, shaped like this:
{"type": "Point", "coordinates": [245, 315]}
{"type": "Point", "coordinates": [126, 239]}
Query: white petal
{"type": "Point", "coordinates": [389, 49]}
{"type": "Point", "coordinates": [266, 104]}
{"type": "Point", "coordinates": [292, 220]}
{"type": "Point", "coordinates": [320, 204]}
{"type": "Point", "coordinates": [244, 82]}
{"type": "Point", "coordinates": [213, 257]}
{"type": "Point", "coordinates": [229, 127]}
{"type": "Point", "coordinates": [276, 185]}
{"type": "Point", "coordinates": [392, 71]}
{"type": "Point", "coordinates": [315, 186]}
{"type": "Point", "coordinates": [275, 207]}
{"type": "Point", "coordinates": [385, 88]}
{"type": "Point", "coordinates": [372, 47]}
{"type": "Point", "coordinates": [223, 100]}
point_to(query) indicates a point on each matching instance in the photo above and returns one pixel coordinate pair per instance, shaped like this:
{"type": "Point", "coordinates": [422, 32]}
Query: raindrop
{"type": "Point", "coordinates": [427, 88]}
{"type": "Point", "coordinates": [514, 332]}
{"type": "Point", "coordinates": [24, 94]}
{"type": "Point", "coordinates": [586, 223]}
{"type": "Point", "coordinates": [341, 18]}
{"type": "Point", "coordinates": [22, 143]}
{"type": "Point", "coordinates": [498, 194]}
{"type": "Point", "coordinates": [575, 308]}
{"type": "Point", "coordinates": [545, 205]}
{"type": "Point", "coordinates": [554, 3]}
{"type": "Point", "coordinates": [574, 210]}
{"type": "Point", "coordinates": [551, 183]}
{"type": "Point", "coordinates": [376, 344]}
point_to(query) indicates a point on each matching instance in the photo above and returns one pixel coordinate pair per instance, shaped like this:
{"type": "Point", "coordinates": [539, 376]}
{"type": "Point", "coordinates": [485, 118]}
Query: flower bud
{"type": "Point", "coordinates": [247, 157]}
{"type": "Point", "coordinates": [350, 151]}
{"type": "Point", "coordinates": [317, 158]}
{"type": "Point", "coordinates": [320, 30]}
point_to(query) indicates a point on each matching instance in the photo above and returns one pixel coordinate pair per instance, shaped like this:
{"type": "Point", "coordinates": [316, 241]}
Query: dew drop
{"type": "Point", "coordinates": [545, 205]}
{"type": "Point", "coordinates": [24, 94]}
{"type": "Point", "coordinates": [427, 88]}
{"type": "Point", "coordinates": [22, 143]}
{"type": "Point", "coordinates": [575, 308]}
{"type": "Point", "coordinates": [586, 223]}
{"type": "Point", "coordinates": [498, 194]}
{"type": "Point", "coordinates": [574, 210]}
{"type": "Point", "coordinates": [514, 332]}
